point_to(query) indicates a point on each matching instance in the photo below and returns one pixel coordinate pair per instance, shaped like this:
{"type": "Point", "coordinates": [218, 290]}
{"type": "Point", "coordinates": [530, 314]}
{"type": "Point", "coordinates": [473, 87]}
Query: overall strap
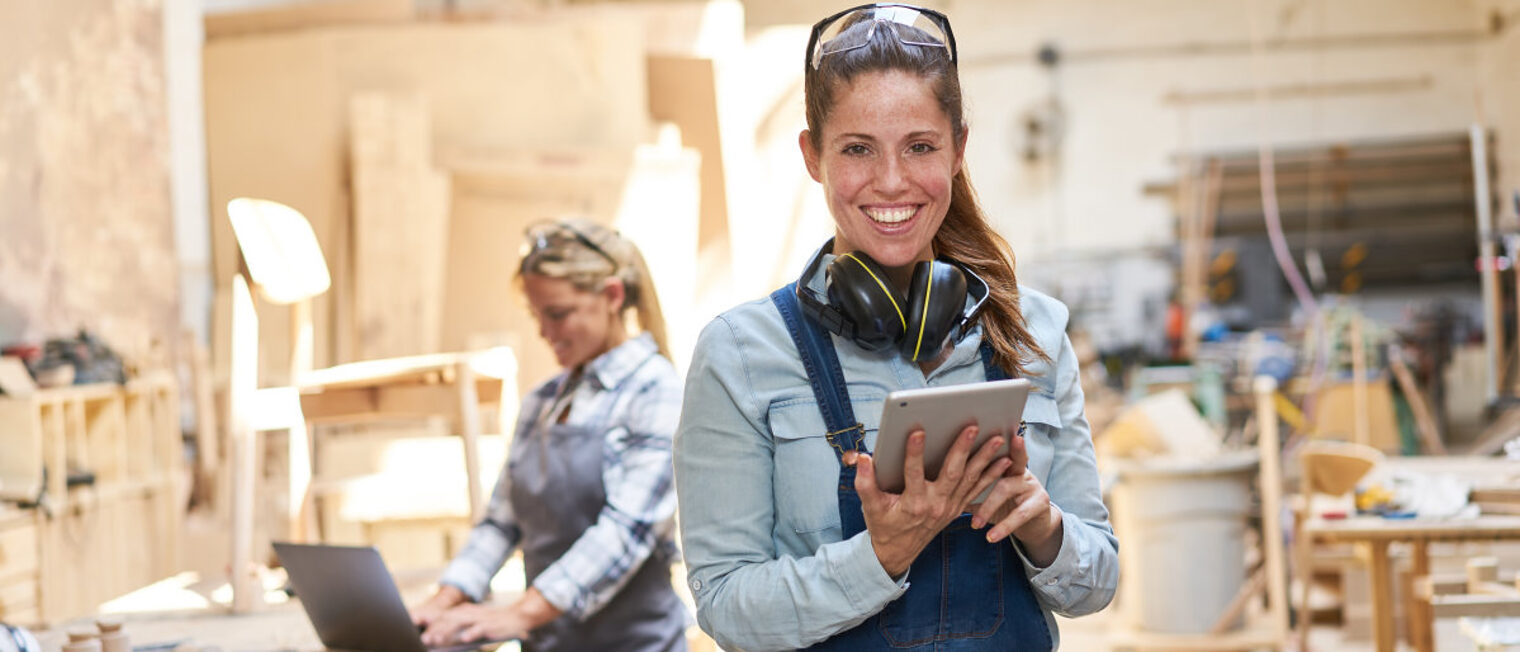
{"type": "Point", "coordinates": [827, 378]}
{"type": "Point", "coordinates": [993, 371]}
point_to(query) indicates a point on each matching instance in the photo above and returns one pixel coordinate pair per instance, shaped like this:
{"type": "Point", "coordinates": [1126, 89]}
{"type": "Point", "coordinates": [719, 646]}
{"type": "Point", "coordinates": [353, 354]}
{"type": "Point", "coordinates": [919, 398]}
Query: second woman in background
{"type": "Point", "coordinates": [587, 491]}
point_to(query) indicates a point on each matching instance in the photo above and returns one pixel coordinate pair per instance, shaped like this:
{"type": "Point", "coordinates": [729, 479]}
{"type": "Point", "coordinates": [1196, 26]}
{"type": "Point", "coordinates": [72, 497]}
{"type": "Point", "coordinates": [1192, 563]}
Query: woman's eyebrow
{"type": "Point", "coordinates": [922, 133]}
{"type": "Point", "coordinates": [854, 136]}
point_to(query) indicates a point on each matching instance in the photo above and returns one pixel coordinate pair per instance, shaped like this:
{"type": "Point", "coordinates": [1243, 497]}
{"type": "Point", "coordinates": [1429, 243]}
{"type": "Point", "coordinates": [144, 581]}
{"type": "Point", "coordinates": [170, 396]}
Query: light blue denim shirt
{"type": "Point", "coordinates": [756, 480]}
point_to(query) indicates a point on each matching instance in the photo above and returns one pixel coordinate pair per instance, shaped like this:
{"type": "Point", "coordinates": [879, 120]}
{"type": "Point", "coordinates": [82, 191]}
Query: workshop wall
{"type": "Point", "coordinates": [84, 183]}
{"type": "Point", "coordinates": [1137, 83]}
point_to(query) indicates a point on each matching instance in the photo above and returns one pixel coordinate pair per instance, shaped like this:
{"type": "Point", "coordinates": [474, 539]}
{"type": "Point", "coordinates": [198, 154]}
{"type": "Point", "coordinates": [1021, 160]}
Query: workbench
{"type": "Point", "coordinates": [1376, 534]}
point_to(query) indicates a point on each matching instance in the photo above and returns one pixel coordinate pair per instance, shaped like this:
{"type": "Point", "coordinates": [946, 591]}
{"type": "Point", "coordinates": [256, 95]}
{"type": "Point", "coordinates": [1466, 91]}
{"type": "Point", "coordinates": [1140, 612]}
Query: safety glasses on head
{"type": "Point", "coordinates": [545, 237]}
{"type": "Point", "coordinates": [929, 29]}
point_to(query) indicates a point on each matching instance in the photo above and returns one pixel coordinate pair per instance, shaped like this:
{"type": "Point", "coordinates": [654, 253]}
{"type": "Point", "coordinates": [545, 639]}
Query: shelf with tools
{"type": "Point", "coordinates": [93, 473]}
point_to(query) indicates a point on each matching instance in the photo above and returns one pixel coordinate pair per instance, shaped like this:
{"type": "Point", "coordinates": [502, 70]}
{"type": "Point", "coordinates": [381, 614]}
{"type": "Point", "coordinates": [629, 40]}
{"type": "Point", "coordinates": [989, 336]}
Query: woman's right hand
{"type": "Point", "coordinates": [426, 613]}
{"type": "Point", "coordinates": [902, 525]}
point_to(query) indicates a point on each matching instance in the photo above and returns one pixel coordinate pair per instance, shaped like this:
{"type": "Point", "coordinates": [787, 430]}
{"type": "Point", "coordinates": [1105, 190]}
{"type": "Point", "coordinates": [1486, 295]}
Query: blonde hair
{"type": "Point", "coordinates": [555, 250]}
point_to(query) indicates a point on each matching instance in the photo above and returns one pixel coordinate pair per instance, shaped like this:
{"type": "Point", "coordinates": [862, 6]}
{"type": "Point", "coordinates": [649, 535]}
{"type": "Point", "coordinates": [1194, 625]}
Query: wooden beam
{"type": "Point", "coordinates": [246, 591]}
{"type": "Point", "coordinates": [1474, 606]}
{"type": "Point", "coordinates": [1430, 433]}
{"type": "Point", "coordinates": [306, 15]}
{"type": "Point", "coordinates": [388, 402]}
{"type": "Point", "coordinates": [400, 226]}
{"type": "Point", "coordinates": [1269, 483]}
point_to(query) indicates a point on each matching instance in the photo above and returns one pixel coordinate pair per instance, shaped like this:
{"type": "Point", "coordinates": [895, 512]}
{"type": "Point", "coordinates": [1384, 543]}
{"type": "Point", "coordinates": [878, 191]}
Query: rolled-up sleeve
{"type": "Point", "coordinates": [1085, 574]}
{"type": "Point", "coordinates": [489, 545]}
{"type": "Point", "coordinates": [747, 598]}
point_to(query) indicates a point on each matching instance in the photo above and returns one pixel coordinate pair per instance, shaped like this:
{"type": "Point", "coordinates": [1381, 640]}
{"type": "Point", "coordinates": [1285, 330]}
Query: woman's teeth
{"type": "Point", "coordinates": [890, 215]}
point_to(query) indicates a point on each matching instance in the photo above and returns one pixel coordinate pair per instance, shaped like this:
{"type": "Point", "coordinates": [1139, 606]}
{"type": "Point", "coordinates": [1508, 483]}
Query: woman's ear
{"type": "Point", "coordinates": [615, 292]}
{"type": "Point", "coordinates": [809, 155]}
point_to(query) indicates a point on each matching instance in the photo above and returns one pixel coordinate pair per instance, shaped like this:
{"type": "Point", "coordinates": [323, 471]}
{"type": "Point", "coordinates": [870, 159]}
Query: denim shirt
{"type": "Point", "coordinates": [756, 479]}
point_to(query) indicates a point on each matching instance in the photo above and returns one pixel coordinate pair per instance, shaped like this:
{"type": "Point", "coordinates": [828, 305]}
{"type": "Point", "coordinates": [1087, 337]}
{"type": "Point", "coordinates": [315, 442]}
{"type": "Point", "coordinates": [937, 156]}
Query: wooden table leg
{"type": "Point", "coordinates": [298, 447]}
{"type": "Point", "coordinates": [469, 423]}
{"type": "Point", "coordinates": [1382, 597]}
{"type": "Point", "coordinates": [1417, 611]}
{"type": "Point", "coordinates": [1303, 547]}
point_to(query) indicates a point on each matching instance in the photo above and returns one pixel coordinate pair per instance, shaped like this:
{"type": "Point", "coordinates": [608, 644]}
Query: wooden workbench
{"type": "Point", "coordinates": [1378, 533]}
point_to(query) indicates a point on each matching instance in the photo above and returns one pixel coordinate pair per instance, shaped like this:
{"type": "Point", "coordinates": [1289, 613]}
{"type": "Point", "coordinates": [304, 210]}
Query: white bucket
{"type": "Point", "coordinates": [1181, 528]}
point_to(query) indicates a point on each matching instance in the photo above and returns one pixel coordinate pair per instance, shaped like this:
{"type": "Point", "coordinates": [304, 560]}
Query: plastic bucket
{"type": "Point", "coordinates": [1181, 528]}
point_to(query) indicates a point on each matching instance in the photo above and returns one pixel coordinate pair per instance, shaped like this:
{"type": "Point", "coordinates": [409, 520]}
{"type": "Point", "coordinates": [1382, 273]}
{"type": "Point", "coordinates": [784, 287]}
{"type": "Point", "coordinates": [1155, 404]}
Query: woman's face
{"type": "Point", "coordinates": [886, 159]}
{"type": "Point", "coordinates": [578, 325]}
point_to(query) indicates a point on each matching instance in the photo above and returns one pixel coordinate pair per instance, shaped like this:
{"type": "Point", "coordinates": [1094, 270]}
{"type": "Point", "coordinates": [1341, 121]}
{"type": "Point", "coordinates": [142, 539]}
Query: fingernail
{"type": "Point", "coordinates": [971, 433]}
{"type": "Point", "coordinates": [993, 536]}
{"type": "Point", "coordinates": [977, 522]}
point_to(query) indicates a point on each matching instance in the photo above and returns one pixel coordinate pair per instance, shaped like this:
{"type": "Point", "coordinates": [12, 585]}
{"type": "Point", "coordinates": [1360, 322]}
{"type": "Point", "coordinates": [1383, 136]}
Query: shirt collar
{"type": "Point", "coordinates": [613, 367]}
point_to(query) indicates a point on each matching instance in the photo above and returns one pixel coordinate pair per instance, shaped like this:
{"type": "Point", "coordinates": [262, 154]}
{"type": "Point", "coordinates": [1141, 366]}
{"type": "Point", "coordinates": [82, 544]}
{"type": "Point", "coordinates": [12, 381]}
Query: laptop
{"type": "Point", "coordinates": [352, 601]}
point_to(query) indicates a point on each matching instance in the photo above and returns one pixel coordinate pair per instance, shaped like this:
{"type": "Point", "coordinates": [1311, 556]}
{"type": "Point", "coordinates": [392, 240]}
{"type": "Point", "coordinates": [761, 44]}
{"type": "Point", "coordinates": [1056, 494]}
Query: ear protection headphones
{"type": "Point", "coordinates": [863, 306]}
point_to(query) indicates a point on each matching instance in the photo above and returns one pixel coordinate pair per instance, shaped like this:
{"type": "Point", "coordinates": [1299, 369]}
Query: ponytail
{"type": "Point", "coordinates": [640, 293]}
{"type": "Point", "coordinates": [966, 237]}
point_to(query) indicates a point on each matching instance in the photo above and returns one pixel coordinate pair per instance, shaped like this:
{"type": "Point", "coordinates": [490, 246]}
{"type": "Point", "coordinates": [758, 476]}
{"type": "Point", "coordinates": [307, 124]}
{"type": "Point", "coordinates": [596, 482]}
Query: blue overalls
{"type": "Point", "coordinates": [963, 593]}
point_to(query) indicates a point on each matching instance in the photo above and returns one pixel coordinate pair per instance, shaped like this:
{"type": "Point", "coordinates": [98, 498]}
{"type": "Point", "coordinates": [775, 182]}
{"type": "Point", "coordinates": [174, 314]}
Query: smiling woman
{"type": "Point", "coordinates": [587, 489]}
{"type": "Point", "coordinates": [789, 540]}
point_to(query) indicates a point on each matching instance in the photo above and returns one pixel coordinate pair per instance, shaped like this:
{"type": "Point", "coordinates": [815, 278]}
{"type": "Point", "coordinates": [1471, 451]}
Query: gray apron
{"type": "Point", "coordinates": [556, 494]}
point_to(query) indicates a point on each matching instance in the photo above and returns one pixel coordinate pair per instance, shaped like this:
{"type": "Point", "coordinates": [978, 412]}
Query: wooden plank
{"type": "Point", "coordinates": [1382, 596]}
{"type": "Point", "coordinates": [21, 439]}
{"type": "Point", "coordinates": [390, 371]}
{"type": "Point", "coordinates": [1430, 433]}
{"type": "Point", "coordinates": [273, 131]}
{"type": "Point", "coordinates": [246, 592]}
{"type": "Point", "coordinates": [18, 597]}
{"type": "Point", "coordinates": [1371, 528]}
{"type": "Point", "coordinates": [1269, 484]}
{"type": "Point", "coordinates": [1359, 408]}
{"type": "Point", "coordinates": [378, 403]}
{"type": "Point", "coordinates": [683, 90]}
{"type": "Point", "coordinates": [18, 551]}
{"type": "Point", "coordinates": [469, 430]}
{"type": "Point", "coordinates": [276, 113]}
{"type": "Point", "coordinates": [307, 15]}
{"type": "Point", "coordinates": [1495, 494]}
{"type": "Point", "coordinates": [400, 226]}
{"type": "Point", "coordinates": [1475, 606]}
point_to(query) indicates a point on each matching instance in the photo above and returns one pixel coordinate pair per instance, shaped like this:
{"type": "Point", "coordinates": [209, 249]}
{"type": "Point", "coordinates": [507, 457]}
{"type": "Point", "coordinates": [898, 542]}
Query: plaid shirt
{"type": "Point", "coordinates": [642, 393]}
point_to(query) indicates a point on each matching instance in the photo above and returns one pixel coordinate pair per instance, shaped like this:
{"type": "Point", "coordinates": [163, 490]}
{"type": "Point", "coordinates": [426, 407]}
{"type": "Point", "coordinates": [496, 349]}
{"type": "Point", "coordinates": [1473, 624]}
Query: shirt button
{"type": "Point", "coordinates": [1051, 582]}
{"type": "Point", "coordinates": [696, 585]}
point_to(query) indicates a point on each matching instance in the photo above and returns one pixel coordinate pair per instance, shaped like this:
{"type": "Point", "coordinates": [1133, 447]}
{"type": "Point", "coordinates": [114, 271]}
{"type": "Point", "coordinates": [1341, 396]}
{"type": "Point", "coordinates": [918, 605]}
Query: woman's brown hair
{"type": "Point", "coordinates": [965, 236]}
{"type": "Point", "coordinates": [562, 255]}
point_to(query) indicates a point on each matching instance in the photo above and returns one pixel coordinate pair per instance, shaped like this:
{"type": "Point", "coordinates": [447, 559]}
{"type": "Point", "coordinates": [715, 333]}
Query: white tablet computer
{"type": "Point", "coordinates": [943, 412]}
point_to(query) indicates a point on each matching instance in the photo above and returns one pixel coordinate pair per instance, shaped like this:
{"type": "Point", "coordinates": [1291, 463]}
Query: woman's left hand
{"type": "Point", "coordinates": [470, 622]}
{"type": "Point", "coordinates": [1019, 505]}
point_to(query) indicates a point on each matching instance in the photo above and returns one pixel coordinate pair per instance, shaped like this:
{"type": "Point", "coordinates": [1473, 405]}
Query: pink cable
{"type": "Point", "coordinates": [1275, 233]}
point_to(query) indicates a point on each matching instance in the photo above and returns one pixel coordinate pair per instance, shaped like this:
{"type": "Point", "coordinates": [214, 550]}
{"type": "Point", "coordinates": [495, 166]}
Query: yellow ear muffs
{"type": "Point", "coordinates": [858, 288]}
{"type": "Point", "coordinates": [936, 298]}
